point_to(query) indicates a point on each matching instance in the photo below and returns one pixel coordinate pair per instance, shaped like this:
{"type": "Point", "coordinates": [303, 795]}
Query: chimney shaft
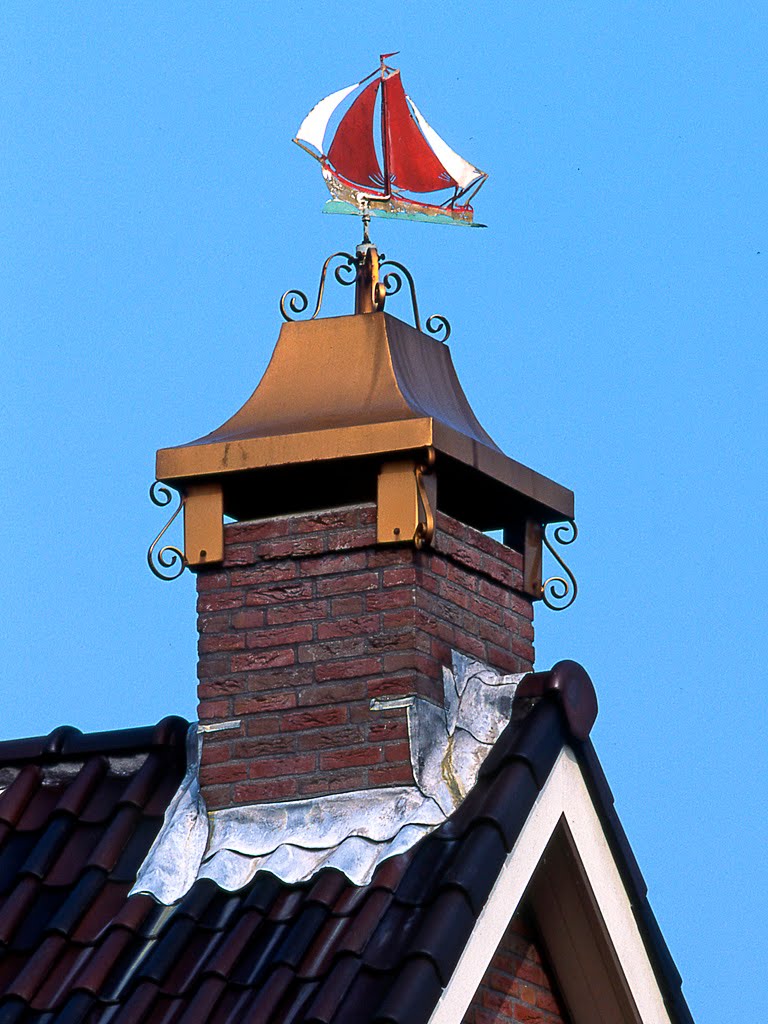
{"type": "Point", "coordinates": [308, 620]}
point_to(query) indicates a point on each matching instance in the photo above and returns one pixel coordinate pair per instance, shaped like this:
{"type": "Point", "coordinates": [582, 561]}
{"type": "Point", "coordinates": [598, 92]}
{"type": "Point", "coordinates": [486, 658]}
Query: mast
{"type": "Point", "coordinates": [384, 133]}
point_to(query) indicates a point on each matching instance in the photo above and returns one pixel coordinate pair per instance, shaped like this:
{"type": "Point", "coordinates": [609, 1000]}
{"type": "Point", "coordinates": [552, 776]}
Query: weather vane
{"type": "Point", "coordinates": [415, 159]}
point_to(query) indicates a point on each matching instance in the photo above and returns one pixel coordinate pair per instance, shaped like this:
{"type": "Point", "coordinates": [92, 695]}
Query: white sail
{"type": "Point", "coordinates": [459, 169]}
{"type": "Point", "coordinates": [312, 128]}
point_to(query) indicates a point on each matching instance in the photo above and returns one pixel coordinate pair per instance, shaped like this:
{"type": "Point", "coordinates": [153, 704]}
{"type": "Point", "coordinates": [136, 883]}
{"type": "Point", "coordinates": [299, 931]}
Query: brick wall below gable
{"type": "Point", "coordinates": [519, 986]}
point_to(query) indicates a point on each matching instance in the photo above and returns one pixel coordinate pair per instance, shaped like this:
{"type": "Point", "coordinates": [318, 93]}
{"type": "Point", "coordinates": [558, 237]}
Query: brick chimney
{"type": "Point", "coordinates": [309, 621]}
{"type": "Point", "coordinates": [364, 488]}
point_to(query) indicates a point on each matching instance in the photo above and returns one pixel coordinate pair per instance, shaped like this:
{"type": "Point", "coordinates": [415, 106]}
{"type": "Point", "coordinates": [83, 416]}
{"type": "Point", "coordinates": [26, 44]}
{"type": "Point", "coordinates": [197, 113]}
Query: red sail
{"type": "Point", "coordinates": [352, 151]}
{"type": "Point", "coordinates": [412, 164]}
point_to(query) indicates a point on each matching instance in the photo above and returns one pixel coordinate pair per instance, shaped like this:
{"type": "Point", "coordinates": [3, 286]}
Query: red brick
{"type": "Point", "coordinates": [267, 679]}
{"type": "Point", "coordinates": [400, 617]}
{"type": "Point", "coordinates": [300, 611]}
{"type": "Point", "coordinates": [207, 580]}
{"type": "Point", "coordinates": [397, 751]}
{"type": "Point", "coordinates": [261, 746]}
{"type": "Point", "coordinates": [335, 519]}
{"type": "Point", "coordinates": [279, 593]}
{"type": "Point", "coordinates": [211, 623]}
{"type": "Point", "coordinates": [352, 605]}
{"type": "Point", "coordinates": [279, 767]}
{"type": "Point", "coordinates": [391, 554]}
{"type": "Point", "coordinates": [258, 529]}
{"type": "Point", "coordinates": [329, 650]}
{"type": "Point", "coordinates": [295, 634]}
{"type": "Point", "coordinates": [218, 796]}
{"type": "Point", "coordinates": [382, 600]}
{"type": "Point", "coordinates": [350, 669]}
{"type": "Point", "coordinates": [215, 642]}
{"type": "Point", "coordinates": [262, 659]}
{"type": "Point", "coordinates": [390, 775]}
{"type": "Point", "coordinates": [505, 995]}
{"type": "Point", "coordinates": [262, 725]}
{"type": "Point", "coordinates": [216, 753]}
{"type": "Point", "coordinates": [264, 792]}
{"type": "Point", "coordinates": [293, 547]}
{"type": "Point", "coordinates": [389, 729]}
{"type": "Point", "coordinates": [249, 618]}
{"type": "Point", "coordinates": [340, 782]}
{"type": "Point", "coordinates": [358, 626]}
{"type": "Point", "coordinates": [265, 702]}
{"type": "Point", "coordinates": [219, 688]}
{"type": "Point", "coordinates": [399, 575]}
{"type": "Point", "coordinates": [348, 584]}
{"type": "Point", "coordinates": [217, 600]}
{"type": "Point", "coordinates": [351, 758]}
{"type": "Point", "coordinates": [214, 709]}
{"type": "Point", "coordinates": [272, 573]}
{"type": "Point", "coordinates": [230, 772]}
{"type": "Point", "coordinates": [240, 554]}
{"type": "Point", "coordinates": [314, 718]}
{"type": "Point", "coordinates": [329, 739]}
{"type": "Point", "coordinates": [348, 540]}
{"type": "Point", "coordinates": [344, 692]}
{"type": "Point", "coordinates": [333, 564]}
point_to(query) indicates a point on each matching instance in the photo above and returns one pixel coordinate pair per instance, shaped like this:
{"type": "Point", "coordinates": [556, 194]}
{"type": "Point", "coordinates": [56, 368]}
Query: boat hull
{"type": "Point", "coordinates": [350, 199]}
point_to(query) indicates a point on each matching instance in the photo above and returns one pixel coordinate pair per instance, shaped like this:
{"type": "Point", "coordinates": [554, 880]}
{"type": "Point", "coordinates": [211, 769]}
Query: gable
{"type": "Point", "coordinates": [605, 968]}
{"type": "Point", "coordinates": [519, 984]}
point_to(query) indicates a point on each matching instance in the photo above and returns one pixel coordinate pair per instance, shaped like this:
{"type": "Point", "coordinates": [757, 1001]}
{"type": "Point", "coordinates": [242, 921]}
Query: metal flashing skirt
{"type": "Point", "coordinates": [352, 832]}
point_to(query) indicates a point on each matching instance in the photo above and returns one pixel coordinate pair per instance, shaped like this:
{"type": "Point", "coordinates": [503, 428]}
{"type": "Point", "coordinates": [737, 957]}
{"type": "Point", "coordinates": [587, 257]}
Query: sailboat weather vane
{"type": "Point", "coordinates": [416, 161]}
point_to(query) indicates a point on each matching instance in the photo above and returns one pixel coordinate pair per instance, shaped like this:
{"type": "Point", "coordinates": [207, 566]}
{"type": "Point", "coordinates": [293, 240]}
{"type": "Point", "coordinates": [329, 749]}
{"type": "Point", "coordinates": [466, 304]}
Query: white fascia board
{"type": "Point", "coordinates": [564, 796]}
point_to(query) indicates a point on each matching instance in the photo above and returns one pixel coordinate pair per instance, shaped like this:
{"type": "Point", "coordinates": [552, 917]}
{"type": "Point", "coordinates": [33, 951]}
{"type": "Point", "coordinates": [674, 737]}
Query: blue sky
{"type": "Point", "coordinates": [608, 327]}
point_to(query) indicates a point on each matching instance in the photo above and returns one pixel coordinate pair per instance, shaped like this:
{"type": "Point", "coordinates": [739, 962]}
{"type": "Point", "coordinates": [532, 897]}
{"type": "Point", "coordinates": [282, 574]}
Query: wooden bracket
{"type": "Point", "coordinates": [400, 509]}
{"type": "Point", "coordinates": [203, 524]}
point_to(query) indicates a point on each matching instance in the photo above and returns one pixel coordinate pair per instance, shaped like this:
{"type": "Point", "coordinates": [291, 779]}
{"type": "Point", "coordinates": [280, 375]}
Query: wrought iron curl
{"type": "Point", "coordinates": [350, 268]}
{"type": "Point", "coordinates": [297, 301]}
{"type": "Point", "coordinates": [425, 530]}
{"type": "Point", "coordinates": [393, 283]}
{"type": "Point", "coordinates": [437, 323]}
{"type": "Point", "coordinates": [559, 592]}
{"type": "Point", "coordinates": [169, 562]}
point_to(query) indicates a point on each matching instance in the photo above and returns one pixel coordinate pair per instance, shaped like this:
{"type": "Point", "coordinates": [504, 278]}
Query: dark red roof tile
{"type": "Point", "coordinates": [80, 843]}
{"type": "Point", "coordinates": [477, 864]}
{"type": "Point", "coordinates": [444, 931]}
{"type": "Point", "coordinates": [115, 840]}
{"type": "Point", "coordinates": [202, 1006]}
{"type": "Point", "coordinates": [75, 797]}
{"type": "Point", "coordinates": [331, 994]}
{"type": "Point", "coordinates": [14, 799]}
{"type": "Point", "coordinates": [237, 938]}
{"type": "Point", "coordinates": [37, 968]}
{"type": "Point", "coordinates": [101, 914]}
{"type": "Point", "coordinates": [82, 901]}
{"type": "Point", "coordinates": [16, 907]}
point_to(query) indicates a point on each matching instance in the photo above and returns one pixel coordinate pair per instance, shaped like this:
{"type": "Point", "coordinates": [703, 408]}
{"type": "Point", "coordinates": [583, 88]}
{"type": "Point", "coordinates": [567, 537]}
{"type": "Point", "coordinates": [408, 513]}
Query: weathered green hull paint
{"type": "Point", "coordinates": [339, 206]}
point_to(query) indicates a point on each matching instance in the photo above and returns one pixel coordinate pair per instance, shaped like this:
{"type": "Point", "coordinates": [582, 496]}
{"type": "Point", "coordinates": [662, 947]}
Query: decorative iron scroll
{"type": "Point", "coordinates": [294, 303]}
{"type": "Point", "coordinates": [559, 592]}
{"type": "Point", "coordinates": [169, 562]}
{"type": "Point", "coordinates": [298, 301]}
{"type": "Point", "coordinates": [425, 530]}
{"type": "Point", "coordinates": [393, 282]}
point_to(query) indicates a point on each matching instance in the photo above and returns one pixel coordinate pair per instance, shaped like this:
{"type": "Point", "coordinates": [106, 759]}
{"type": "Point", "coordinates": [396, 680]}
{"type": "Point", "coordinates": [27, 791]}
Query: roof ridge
{"type": "Point", "coordinates": [66, 741]}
